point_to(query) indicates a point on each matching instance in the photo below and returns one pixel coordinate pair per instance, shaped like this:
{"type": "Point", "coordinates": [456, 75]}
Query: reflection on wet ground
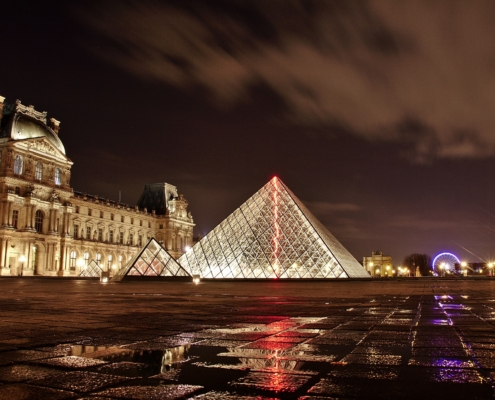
{"type": "Point", "coordinates": [403, 340]}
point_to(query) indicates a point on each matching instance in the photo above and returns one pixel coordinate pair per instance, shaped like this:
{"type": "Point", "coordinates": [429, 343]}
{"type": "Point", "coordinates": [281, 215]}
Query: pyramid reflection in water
{"type": "Point", "coordinates": [152, 260]}
{"type": "Point", "coordinates": [271, 235]}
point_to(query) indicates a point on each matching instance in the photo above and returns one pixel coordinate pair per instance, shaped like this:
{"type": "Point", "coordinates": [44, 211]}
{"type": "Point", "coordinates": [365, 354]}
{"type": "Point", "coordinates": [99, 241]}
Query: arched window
{"type": "Point", "coordinates": [38, 221]}
{"type": "Point", "coordinates": [120, 261]}
{"type": "Point", "coordinates": [18, 164]}
{"type": "Point", "coordinates": [38, 172]}
{"type": "Point", "coordinates": [98, 258]}
{"type": "Point", "coordinates": [86, 258]}
{"type": "Point", "coordinates": [110, 258]}
{"type": "Point", "coordinates": [58, 176]}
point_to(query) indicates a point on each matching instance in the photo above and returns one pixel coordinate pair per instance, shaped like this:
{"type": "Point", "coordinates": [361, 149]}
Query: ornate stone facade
{"type": "Point", "coordinates": [46, 228]}
{"type": "Point", "coordinates": [378, 265]}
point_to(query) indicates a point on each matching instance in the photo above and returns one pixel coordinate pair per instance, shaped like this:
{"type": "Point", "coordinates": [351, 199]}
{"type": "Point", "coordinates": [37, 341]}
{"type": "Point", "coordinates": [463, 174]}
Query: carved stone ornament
{"type": "Point", "coordinates": [44, 146]}
{"type": "Point", "coordinates": [54, 196]}
{"type": "Point", "coordinates": [10, 159]}
{"type": "Point", "coordinates": [29, 165]}
{"type": "Point", "coordinates": [29, 110]}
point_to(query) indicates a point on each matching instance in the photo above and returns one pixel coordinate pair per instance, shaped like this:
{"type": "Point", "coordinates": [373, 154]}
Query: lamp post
{"type": "Point", "coordinates": [490, 269]}
{"type": "Point", "coordinates": [388, 270]}
{"type": "Point", "coordinates": [442, 266]}
{"type": "Point", "coordinates": [22, 260]}
{"type": "Point", "coordinates": [464, 269]}
{"type": "Point", "coordinates": [377, 272]}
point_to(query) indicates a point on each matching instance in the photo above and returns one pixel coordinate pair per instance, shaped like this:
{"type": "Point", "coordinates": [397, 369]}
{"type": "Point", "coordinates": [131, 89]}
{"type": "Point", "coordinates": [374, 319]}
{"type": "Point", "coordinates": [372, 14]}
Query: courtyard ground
{"type": "Point", "coordinates": [390, 339]}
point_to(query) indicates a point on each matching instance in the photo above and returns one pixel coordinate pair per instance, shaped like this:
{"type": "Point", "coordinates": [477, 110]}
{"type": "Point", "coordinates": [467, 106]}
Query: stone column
{"type": "Point", "coordinates": [8, 214]}
{"type": "Point", "coordinates": [33, 214]}
{"type": "Point", "coordinates": [62, 260]}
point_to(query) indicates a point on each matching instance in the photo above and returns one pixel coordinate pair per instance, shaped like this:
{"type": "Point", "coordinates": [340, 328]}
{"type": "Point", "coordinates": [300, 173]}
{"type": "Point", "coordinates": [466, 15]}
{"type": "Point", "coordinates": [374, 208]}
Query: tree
{"type": "Point", "coordinates": [423, 261]}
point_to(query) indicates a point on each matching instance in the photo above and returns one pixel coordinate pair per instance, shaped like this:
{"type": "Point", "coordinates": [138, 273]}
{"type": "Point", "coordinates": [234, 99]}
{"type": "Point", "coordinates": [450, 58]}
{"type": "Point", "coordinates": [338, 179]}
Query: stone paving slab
{"type": "Point", "coordinates": [389, 339]}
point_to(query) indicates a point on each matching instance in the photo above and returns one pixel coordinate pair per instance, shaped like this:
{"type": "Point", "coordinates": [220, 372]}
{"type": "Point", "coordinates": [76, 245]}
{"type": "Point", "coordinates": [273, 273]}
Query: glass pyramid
{"type": "Point", "coordinates": [152, 260]}
{"type": "Point", "coordinates": [92, 270]}
{"type": "Point", "coordinates": [271, 235]}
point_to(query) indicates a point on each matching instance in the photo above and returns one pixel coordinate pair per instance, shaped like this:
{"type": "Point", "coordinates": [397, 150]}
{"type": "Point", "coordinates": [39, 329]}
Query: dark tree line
{"type": "Point", "coordinates": [423, 261]}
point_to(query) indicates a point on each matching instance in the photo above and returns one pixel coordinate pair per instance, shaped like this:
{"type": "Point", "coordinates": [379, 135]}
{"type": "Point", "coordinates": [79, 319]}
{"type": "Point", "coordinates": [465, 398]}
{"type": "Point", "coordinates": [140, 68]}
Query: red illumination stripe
{"type": "Point", "coordinates": [276, 238]}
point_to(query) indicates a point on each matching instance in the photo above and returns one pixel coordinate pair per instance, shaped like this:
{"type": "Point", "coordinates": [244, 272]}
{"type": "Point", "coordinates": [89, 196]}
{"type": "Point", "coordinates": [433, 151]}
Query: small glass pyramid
{"type": "Point", "coordinates": [271, 235]}
{"type": "Point", "coordinates": [152, 260]}
{"type": "Point", "coordinates": [92, 270]}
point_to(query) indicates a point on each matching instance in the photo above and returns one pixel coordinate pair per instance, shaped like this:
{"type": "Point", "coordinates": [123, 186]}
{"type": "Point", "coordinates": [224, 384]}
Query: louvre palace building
{"type": "Point", "coordinates": [47, 228]}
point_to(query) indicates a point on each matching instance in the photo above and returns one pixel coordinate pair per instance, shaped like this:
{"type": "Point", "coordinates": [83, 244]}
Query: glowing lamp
{"type": "Point", "coordinates": [464, 264]}
{"type": "Point", "coordinates": [196, 279]}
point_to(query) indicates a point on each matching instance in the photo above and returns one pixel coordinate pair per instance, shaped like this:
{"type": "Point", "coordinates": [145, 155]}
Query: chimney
{"type": "Point", "coordinates": [1, 106]}
{"type": "Point", "coordinates": [55, 125]}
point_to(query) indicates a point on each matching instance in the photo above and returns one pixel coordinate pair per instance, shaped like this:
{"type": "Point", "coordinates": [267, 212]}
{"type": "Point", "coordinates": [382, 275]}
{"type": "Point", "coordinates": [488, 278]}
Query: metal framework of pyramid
{"type": "Point", "coordinates": [152, 260]}
{"type": "Point", "coordinates": [92, 270]}
{"type": "Point", "coordinates": [271, 235]}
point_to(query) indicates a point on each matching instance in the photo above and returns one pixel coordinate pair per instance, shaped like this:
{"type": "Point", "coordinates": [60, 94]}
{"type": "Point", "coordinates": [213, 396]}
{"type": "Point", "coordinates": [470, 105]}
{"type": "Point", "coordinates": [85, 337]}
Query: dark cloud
{"type": "Point", "coordinates": [367, 66]}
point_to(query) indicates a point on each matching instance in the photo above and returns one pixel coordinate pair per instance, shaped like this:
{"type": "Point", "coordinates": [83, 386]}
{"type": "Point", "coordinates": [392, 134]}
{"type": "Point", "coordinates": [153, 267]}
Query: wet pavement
{"type": "Point", "coordinates": [407, 339]}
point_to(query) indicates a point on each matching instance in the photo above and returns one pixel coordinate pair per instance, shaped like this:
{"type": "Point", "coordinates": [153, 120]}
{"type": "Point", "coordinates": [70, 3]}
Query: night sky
{"type": "Point", "coordinates": [379, 116]}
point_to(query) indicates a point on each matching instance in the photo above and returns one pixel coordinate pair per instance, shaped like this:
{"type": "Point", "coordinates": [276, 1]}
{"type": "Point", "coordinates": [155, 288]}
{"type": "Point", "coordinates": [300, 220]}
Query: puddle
{"type": "Point", "coordinates": [275, 382]}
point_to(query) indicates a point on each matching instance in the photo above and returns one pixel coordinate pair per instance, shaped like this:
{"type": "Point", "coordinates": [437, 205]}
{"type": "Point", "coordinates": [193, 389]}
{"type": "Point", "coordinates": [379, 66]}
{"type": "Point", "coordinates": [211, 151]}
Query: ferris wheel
{"type": "Point", "coordinates": [445, 261]}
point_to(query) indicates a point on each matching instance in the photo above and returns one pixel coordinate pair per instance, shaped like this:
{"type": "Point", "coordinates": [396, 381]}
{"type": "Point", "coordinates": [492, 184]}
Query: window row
{"type": "Point", "coordinates": [38, 170]}
{"type": "Point", "coordinates": [91, 213]}
{"type": "Point", "coordinates": [110, 262]}
{"type": "Point", "coordinates": [111, 236]}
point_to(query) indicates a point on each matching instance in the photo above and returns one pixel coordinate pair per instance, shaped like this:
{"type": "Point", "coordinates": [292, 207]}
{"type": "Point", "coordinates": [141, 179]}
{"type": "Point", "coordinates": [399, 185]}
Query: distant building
{"type": "Point", "coordinates": [379, 265]}
{"type": "Point", "coordinates": [46, 228]}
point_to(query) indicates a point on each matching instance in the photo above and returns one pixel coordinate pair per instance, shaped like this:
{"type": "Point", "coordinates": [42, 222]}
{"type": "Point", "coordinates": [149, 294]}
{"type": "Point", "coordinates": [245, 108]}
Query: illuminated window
{"type": "Point", "coordinates": [72, 264]}
{"type": "Point", "coordinates": [120, 261]}
{"type": "Point", "coordinates": [98, 258]}
{"type": "Point", "coordinates": [76, 231]}
{"type": "Point", "coordinates": [109, 261]}
{"type": "Point", "coordinates": [121, 237]}
{"type": "Point", "coordinates": [33, 258]}
{"type": "Point", "coordinates": [38, 172]}
{"type": "Point", "coordinates": [38, 221]}
{"type": "Point", "coordinates": [86, 258]}
{"type": "Point", "coordinates": [15, 218]}
{"type": "Point", "coordinates": [131, 239]}
{"type": "Point", "coordinates": [100, 235]}
{"type": "Point", "coordinates": [18, 164]}
{"type": "Point", "coordinates": [58, 176]}
{"type": "Point", "coordinates": [88, 232]}
{"type": "Point", "coordinates": [110, 236]}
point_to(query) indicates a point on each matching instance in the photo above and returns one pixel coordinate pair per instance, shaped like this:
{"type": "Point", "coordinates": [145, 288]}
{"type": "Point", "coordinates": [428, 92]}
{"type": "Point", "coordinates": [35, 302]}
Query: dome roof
{"type": "Point", "coordinates": [20, 122]}
{"type": "Point", "coordinates": [24, 127]}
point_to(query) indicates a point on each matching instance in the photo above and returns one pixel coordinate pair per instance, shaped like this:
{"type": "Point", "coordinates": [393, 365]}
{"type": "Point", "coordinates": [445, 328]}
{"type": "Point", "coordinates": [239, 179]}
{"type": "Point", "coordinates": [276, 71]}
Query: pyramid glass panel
{"type": "Point", "coordinates": [271, 235]}
{"type": "Point", "coordinates": [152, 260]}
{"type": "Point", "coordinates": [92, 270]}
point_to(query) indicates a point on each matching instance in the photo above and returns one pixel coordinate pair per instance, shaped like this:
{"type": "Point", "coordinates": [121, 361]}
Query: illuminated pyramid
{"type": "Point", "coordinates": [271, 235]}
{"type": "Point", "coordinates": [152, 260]}
{"type": "Point", "coordinates": [92, 270]}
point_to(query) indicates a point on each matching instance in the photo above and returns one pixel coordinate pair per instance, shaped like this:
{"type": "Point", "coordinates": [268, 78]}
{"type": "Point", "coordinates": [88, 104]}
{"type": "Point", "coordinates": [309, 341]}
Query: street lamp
{"type": "Point", "coordinates": [377, 272]}
{"type": "Point", "coordinates": [442, 266]}
{"type": "Point", "coordinates": [464, 269]}
{"type": "Point", "coordinates": [388, 269]}
{"type": "Point", "coordinates": [22, 260]}
{"type": "Point", "coordinates": [490, 269]}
